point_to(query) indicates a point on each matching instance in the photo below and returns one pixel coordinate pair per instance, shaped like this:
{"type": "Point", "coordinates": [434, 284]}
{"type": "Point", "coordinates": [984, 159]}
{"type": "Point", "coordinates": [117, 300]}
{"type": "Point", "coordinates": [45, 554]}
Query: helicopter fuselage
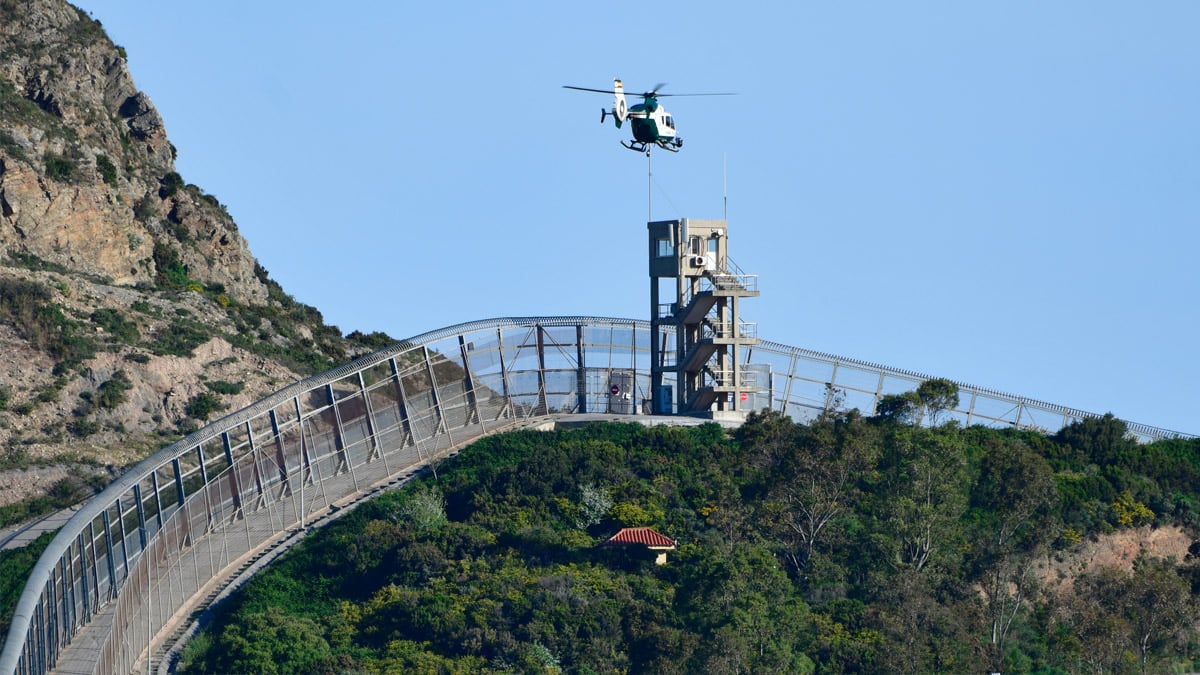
{"type": "Point", "coordinates": [651, 123]}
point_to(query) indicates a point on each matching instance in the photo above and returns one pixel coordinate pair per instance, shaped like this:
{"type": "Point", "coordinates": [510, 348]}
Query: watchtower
{"type": "Point", "coordinates": [697, 290]}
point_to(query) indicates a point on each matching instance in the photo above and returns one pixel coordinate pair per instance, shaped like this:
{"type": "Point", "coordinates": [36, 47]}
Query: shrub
{"type": "Point", "coordinates": [83, 427]}
{"type": "Point", "coordinates": [31, 262]}
{"type": "Point", "coordinates": [59, 168]}
{"type": "Point", "coordinates": [116, 326]}
{"type": "Point", "coordinates": [169, 185]}
{"type": "Point", "coordinates": [108, 172]}
{"type": "Point", "coordinates": [223, 387]}
{"type": "Point", "coordinates": [112, 392]}
{"type": "Point", "coordinates": [170, 272]}
{"type": "Point", "coordinates": [8, 143]}
{"type": "Point", "coordinates": [425, 508]}
{"type": "Point", "coordinates": [27, 305]}
{"type": "Point", "coordinates": [374, 341]}
{"type": "Point", "coordinates": [144, 209]}
{"type": "Point", "coordinates": [202, 405]}
{"type": "Point", "coordinates": [179, 338]}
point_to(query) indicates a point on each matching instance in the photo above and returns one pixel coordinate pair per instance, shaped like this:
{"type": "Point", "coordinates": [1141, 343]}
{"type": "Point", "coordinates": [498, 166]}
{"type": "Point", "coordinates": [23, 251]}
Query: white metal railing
{"type": "Point", "coordinates": [741, 378]}
{"type": "Point", "coordinates": [710, 330]}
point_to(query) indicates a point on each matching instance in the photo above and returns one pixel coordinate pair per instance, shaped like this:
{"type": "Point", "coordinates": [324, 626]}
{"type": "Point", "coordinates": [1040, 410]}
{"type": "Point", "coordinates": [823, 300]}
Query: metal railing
{"type": "Point", "coordinates": [133, 562]}
{"type": "Point", "coordinates": [744, 379]}
{"type": "Point", "coordinates": [716, 330]}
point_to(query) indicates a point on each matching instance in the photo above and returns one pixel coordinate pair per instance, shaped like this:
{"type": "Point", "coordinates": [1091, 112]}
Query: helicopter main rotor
{"type": "Point", "coordinates": [653, 93]}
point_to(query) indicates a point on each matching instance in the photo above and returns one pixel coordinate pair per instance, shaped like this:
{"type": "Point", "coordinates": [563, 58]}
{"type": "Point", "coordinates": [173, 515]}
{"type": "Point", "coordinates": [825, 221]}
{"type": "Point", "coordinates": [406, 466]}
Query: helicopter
{"type": "Point", "coordinates": [652, 124]}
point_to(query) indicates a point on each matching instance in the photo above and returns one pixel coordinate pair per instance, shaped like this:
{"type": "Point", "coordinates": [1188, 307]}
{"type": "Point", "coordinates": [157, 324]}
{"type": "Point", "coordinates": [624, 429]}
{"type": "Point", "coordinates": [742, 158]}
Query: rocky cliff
{"type": "Point", "coordinates": [131, 309]}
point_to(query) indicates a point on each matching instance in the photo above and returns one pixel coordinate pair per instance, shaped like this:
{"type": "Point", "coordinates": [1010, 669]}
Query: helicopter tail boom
{"type": "Point", "coordinates": [619, 111]}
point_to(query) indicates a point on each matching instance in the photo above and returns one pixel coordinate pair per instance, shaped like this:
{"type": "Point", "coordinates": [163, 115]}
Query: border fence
{"type": "Point", "coordinates": [133, 562]}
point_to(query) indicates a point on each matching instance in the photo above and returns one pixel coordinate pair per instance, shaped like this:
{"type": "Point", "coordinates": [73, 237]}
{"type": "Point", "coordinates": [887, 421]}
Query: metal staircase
{"type": "Point", "coordinates": [711, 345]}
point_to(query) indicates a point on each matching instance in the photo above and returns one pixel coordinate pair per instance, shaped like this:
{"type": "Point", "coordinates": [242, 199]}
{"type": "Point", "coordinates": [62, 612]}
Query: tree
{"type": "Point", "coordinates": [747, 610]}
{"type": "Point", "coordinates": [425, 508]}
{"type": "Point", "coordinates": [1014, 494]}
{"type": "Point", "coordinates": [1095, 630]}
{"type": "Point", "coordinates": [1101, 440]}
{"type": "Point", "coordinates": [899, 407]}
{"type": "Point", "coordinates": [1118, 617]}
{"type": "Point", "coordinates": [926, 495]}
{"type": "Point", "coordinates": [1159, 605]}
{"type": "Point", "coordinates": [594, 504]}
{"type": "Point", "coordinates": [937, 395]}
{"type": "Point", "coordinates": [814, 481]}
{"type": "Point", "coordinates": [927, 629]}
{"type": "Point", "coordinates": [767, 437]}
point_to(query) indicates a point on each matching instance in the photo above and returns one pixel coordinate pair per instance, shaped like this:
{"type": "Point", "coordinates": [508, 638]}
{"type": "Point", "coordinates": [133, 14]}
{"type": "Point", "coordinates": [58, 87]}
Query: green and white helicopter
{"type": "Point", "coordinates": [652, 124]}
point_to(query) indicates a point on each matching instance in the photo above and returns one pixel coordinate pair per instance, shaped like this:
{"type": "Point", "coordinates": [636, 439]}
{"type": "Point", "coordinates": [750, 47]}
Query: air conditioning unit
{"type": "Point", "coordinates": [699, 261]}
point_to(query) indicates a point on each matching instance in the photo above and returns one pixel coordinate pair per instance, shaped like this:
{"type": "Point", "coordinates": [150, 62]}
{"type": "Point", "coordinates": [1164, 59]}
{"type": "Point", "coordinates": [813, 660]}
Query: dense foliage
{"type": "Point", "coordinates": [14, 569]}
{"type": "Point", "coordinates": [850, 544]}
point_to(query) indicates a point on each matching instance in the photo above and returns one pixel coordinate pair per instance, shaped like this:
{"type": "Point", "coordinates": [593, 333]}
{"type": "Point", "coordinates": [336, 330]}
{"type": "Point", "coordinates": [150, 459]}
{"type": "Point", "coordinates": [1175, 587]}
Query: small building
{"type": "Point", "coordinates": [643, 536]}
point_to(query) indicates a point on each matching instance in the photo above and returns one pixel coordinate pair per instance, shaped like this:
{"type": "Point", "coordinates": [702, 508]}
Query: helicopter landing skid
{"type": "Point", "coordinates": [642, 146]}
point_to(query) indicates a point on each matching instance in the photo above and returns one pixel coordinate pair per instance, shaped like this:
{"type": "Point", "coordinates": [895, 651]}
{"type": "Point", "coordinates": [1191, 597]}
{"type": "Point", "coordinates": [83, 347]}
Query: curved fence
{"type": "Point", "coordinates": [133, 562]}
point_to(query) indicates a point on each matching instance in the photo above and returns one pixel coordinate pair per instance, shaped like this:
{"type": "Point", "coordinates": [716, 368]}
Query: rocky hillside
{"type": "Point", "coordinates": [131, 309]}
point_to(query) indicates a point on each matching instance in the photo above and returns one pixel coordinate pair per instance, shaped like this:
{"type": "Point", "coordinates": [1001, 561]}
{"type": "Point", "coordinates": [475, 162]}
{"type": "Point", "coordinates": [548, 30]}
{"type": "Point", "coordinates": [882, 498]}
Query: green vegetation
{"type": "Point", "coordinates": [7, 142]}
{"type": "Point", "coordinates": [289, 319]}
{"type": "Point", "coordinates": [255, 326]}
{"type": "Point", "coordinates": [282, 329]}
{"type": "Point", "coordinates": [28, 306]}
{"type": "Point", "coordinates": [180, 338]}
{"type": "Point", "coordinates": [223, 387]}
{"type": "Point", "coordinates": [203, 405]}
{"type": "Point", "coordinates": [15, 565]}
{"type": "Point", "coordinates": [373, 341]}
{"type": "Point", "coordinates": [86, 30]}
{"type": "Point", "coordinates": [170, 272]}
{"type": "Point", "coordinates": [169, 185]}
{"type": "Point", "coordinates": [111, 393]}
{"type": "Point", "coordinates": [850, 544]}
{"type": "Point", "coordinates": [144, 209]}
{"type": "Point", "coordinates": [108, 170]}
{"type": "Point", "coordinates": [66, 492]}
{"type": "Point", "coordinates": [30, 261]}
{"type": "Point", "coordinates": [118, 331]}
{"type": "Point", "coordinates": [59, 168]}
{"type": "Point", "coordinates": [14, 106]}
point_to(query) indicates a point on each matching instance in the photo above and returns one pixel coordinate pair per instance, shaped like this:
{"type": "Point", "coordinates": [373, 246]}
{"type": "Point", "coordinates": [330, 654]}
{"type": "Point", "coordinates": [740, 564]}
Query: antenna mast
{"type": "Point", "coordinates": [724, 189]}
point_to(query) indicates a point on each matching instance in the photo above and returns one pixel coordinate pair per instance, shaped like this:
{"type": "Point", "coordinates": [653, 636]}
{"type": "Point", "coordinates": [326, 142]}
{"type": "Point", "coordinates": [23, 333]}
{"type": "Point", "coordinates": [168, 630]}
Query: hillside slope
{"type": "Point", "coordinates": [131, 309]}
{"type": "Point", "coordinates": [848, 544]}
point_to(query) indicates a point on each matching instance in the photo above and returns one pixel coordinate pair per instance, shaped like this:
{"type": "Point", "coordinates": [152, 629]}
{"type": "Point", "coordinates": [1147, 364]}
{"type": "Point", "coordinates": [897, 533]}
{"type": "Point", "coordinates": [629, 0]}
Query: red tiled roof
{"type": "Point", "coordinates": [645, 536]}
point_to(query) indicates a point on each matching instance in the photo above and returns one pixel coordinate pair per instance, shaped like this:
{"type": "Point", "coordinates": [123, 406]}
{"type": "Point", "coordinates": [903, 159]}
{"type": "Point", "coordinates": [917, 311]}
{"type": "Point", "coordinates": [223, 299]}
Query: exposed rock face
{"type": "Point", "coordinates": [131, 310]}
{"type": "Point", "coordinates": [87, 175]}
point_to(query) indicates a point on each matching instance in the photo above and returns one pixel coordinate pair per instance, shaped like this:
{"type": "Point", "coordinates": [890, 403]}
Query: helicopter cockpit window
{"type": "Point", "coordinates": [670, 122]}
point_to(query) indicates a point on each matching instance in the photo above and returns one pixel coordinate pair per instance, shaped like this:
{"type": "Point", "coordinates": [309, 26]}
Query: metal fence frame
{"type": "Point", "coordinates": [136, 559]}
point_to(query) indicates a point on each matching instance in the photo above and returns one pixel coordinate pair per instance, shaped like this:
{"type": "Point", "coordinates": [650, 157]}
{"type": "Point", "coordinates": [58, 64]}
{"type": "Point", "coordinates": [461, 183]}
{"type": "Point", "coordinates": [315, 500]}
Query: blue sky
{"type": "Point", "coordinates": [1001, 193]}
